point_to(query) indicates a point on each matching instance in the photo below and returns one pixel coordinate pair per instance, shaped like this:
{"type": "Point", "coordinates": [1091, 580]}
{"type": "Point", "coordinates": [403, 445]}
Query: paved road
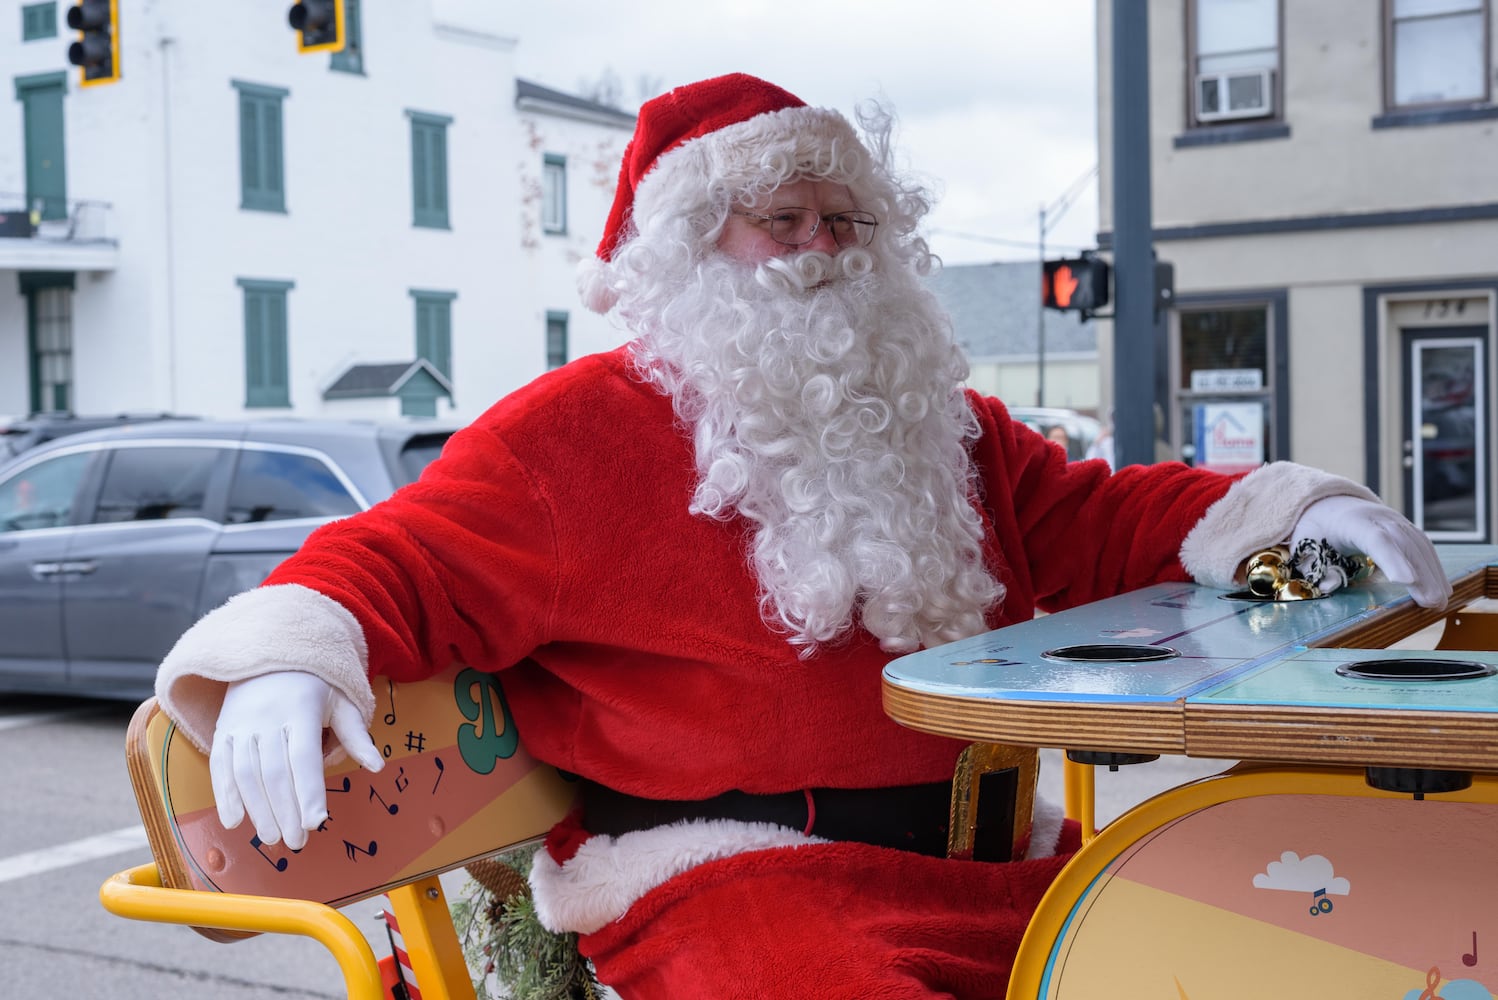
{"type": "Point", "coordinates": [67, 822]}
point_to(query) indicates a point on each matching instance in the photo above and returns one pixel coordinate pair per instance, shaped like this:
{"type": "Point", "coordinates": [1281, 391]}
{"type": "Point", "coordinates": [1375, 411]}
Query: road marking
{"type": "Point", "coordinates": [119, 841]}
{"type": "Point", "coordinates": [33, 718]}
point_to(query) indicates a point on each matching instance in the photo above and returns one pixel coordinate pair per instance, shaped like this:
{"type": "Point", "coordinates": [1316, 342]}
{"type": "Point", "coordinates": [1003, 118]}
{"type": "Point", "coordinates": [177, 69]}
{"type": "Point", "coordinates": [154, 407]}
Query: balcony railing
{"type": "Point", "coordinates": [53, 219]}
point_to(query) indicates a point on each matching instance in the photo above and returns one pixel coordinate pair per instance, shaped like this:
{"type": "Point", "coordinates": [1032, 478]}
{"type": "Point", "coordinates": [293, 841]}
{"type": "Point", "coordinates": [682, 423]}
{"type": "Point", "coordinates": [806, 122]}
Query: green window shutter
{"type": "Point", "coordinates": [556, 339]}
{"type": "Point", "coordinates": [351, 59]}
{"type": "Point", "coordinates": [42, 129]}
{"type": "Point", "coordinates": [262, 174]}
{"type": "Point", "coordinates": [267, 361]}
{"type": "Point", "coordinates": [38, 20]}
{"type": "Point", "coordinates": [429, 170]}
{"type": "Point", "coordinates": [554, 193]}
{"type": "Point", "coordinates": [434, 336]}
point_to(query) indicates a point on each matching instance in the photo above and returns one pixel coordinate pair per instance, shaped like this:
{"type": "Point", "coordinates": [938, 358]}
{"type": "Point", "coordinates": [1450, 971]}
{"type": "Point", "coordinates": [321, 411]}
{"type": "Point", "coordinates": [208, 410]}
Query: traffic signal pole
{"type": "Point", "coordinates": [1134, 361]}
{"type": "Point", "coordinates": [1040, 325]}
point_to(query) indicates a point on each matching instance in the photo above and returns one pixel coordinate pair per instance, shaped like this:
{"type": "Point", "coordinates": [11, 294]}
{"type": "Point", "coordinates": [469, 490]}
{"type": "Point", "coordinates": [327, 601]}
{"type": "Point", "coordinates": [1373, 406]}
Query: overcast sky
{"type": "Point", "coordinates": [995, 99]}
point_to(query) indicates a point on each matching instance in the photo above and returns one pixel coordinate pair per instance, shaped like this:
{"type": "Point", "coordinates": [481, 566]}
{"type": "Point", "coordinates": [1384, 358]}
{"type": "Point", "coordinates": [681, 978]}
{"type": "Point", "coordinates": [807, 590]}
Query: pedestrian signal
{"type": "Point", "coordinates": [1075, 285]}
{"type": "Point", "coordinates": [318, 24]}
{"type": "Point", "coordinates": [97, 51]}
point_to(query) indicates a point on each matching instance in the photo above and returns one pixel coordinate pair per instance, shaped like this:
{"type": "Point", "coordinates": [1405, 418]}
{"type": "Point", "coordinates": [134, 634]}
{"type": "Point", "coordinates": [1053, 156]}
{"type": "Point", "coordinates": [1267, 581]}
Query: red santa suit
{"type": "Point", "coordinates": [552, 541]}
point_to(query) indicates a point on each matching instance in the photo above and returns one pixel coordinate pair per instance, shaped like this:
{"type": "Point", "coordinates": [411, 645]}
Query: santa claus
{"type": "Point", "coordinates": [690, 559]}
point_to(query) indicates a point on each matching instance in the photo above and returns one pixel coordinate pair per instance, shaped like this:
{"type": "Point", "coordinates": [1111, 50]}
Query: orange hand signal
{"type": "Point", "coordinates": [1063, 286]}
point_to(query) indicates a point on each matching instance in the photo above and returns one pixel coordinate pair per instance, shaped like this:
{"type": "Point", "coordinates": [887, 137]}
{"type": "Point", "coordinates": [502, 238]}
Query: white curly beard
{"type": "Point", "coordinates": [825, 404]}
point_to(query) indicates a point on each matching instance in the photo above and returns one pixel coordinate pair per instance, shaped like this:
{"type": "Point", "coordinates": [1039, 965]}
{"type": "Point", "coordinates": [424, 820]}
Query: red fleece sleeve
{"type": "Point", "coordinates": [457, 567]}
{"type": "Point", "coordinates": [1085, 534]}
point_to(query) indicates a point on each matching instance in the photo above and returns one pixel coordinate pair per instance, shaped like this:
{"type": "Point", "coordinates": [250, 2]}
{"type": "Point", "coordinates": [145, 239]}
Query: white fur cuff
{"type": "Point", "coordinates": [1258, 511]}
{"type": "Point", "coordinates": [284, 627]}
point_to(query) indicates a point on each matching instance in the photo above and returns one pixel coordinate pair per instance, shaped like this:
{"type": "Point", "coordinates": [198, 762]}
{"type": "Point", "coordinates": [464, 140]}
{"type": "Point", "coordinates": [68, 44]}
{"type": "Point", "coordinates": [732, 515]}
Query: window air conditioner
{"type": "Point", "coordinates": [1239, 94]}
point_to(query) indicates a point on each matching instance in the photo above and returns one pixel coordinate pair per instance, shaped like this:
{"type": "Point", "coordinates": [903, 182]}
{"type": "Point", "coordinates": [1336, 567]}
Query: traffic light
{"type": "Point", "coordinates": [319, 25]}
{"type": "Point", "coordinates": [97, 51]}
{"type": "Point", "coordinates": [1079, 284]}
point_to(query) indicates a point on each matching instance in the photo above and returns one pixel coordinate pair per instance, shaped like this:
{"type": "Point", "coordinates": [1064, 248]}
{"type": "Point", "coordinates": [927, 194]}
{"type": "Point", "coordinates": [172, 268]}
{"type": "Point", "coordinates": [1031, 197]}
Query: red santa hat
{"type": "Point", "coordinates": [694, 136]}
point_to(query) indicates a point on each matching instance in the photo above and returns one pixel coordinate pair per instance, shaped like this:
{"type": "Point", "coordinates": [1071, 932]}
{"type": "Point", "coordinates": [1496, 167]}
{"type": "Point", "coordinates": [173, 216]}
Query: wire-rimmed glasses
{"type": "Point", "coordinates": [796, 227]}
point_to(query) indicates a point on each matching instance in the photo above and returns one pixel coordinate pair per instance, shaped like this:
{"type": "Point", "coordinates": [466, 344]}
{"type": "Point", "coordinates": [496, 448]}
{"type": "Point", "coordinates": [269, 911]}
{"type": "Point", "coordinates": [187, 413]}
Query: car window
{"type": "Point", "coordinates": [278, 485]}
{"type": "Point", "coordinates": [417, 453]}
{"type": "Point", "coordinates": [42, 495]}
{"type": "Point", "coordinates": [148, 484]}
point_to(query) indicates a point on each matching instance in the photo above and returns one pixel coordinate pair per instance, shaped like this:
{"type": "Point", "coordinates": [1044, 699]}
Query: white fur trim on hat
{"type": "Point", "coordinates": [283, 627]}
{"type": "Point", "coordinates": [1258, 511]}
{"type": "Point", "coordinates": [767, 149]}
{"type": "Point", "coordinates": [607, 874]}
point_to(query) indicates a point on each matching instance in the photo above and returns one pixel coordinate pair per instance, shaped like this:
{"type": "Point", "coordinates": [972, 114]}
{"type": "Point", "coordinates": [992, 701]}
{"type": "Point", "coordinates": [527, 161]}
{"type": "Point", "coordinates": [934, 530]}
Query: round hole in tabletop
{"type": "Point", "coordinates": [1103, 652]}
{"type": "Point", "coordinates": [1416, 669]}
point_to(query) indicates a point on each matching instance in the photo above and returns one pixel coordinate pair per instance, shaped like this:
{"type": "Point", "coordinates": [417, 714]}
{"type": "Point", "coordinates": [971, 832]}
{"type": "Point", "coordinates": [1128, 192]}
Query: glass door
{"type": "Point", "coordinates": [1445, 444]}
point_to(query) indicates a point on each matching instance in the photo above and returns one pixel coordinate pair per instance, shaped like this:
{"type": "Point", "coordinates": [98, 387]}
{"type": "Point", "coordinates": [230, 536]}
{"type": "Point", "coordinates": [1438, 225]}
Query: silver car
{"type": "Point", "coordinates": [113, 542]}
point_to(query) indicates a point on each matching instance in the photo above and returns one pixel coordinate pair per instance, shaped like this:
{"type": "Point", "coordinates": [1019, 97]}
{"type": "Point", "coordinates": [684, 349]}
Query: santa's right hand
{"type": "Point", "coordinates": [267, 756]}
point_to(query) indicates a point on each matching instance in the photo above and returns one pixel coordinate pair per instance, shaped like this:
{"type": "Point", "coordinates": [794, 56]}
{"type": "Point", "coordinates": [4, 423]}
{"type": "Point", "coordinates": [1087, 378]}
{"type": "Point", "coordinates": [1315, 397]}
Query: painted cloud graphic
{"type": "Point", "coordinates": [1294, 873]}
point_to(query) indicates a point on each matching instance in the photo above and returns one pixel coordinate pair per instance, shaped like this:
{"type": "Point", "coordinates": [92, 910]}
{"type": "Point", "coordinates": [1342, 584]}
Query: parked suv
{"type": "Point", "coordinates": [20, 433]}
{"type": "Point", "coordinates": [113, 542]}
{"type": "Point", "coordinates": [1080, 430]}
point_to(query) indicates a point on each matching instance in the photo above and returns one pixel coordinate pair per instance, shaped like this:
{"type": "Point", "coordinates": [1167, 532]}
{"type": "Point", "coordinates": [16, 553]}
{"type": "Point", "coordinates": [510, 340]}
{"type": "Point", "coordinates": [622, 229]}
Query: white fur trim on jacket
{"type": "Point", "coordinates": [283, 627]}
{"type": "Point", "coordinates": [607, 874]}
{"type": "Point", "coordinates": [1258, 511]}
{"type": "Point", "coordinates": [1045, 829]}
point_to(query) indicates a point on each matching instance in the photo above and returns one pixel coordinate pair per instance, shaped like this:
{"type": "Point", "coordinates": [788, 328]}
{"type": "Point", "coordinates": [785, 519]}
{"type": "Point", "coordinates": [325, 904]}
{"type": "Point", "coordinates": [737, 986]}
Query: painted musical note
{"type": "Point", "coordinates": [1471, 959]}
{"type": "Point", "coordinates": [390, 715]}
{"type": "Point", "coordinates": [279, 864]}
{"type": "Point", "coordinates": [391, 808]}
{"type": "Point", "coordinates": [1319, 903]}
{"type": "Point", "coordinates": [346, 786]}
{"type": "Point", "coordinates": [1432, 980]}
{"type": "Point", "coordinates": [401, 781]}
{"type": "Point", "coordinates": [441, 770]}
{"type": "Point", "coordinates": [353, 850]}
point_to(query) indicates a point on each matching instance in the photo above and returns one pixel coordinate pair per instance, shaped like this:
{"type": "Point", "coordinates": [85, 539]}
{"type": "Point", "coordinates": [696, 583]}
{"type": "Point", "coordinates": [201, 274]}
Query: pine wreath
{"type": "Point", "coordinates": [504, 941]}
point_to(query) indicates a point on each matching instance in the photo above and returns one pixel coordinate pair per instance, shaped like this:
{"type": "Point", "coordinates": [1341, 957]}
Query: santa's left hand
{"type": "Point", "coordinates": [1398, 549]}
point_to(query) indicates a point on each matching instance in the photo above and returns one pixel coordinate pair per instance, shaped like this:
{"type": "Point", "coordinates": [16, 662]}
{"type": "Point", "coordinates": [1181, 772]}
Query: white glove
{"type": "Point", "coordinates": [1398, 549]}
{"type": "Point", "coordinates": [267, 757]}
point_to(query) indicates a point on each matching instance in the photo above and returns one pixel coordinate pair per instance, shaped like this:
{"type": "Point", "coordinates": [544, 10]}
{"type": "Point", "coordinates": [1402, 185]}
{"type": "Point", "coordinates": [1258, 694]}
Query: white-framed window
{"type": "Point", "coordinates": [554, 193]}
{"type": "Point", "coordinates": [1437, 52]}
{"type": "Point", "coordinates": [1235, 60]}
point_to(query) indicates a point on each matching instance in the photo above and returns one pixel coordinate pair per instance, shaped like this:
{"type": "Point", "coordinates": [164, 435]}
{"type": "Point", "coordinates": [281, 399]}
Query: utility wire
{"type": "Point", "coordinates": [1052, 215]}
{"type": "Point", "coordinates": [1002, 241]}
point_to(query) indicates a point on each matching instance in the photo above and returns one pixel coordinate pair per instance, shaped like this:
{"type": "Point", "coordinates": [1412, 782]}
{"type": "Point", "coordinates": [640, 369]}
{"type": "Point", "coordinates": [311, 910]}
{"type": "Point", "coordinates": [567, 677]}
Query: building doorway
{"type": "Point", "coordinates": [1445, 419]}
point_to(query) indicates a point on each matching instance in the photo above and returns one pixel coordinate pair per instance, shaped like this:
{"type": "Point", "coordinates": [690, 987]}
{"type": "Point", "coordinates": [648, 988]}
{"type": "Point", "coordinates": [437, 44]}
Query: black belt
{"type": "Point", "coordinates": [908, 817]}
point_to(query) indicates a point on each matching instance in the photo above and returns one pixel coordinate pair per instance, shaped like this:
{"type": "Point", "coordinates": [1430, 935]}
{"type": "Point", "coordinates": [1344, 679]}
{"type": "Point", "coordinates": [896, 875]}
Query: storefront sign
{"type": "Point", "coordinates": [1226, 379]}
{"type": "Point", "coordinates": [1229, 436]}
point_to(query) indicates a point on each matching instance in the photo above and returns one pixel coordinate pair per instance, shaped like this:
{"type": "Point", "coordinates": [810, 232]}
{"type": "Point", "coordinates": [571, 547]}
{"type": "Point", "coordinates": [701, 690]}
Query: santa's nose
{"type": "Point", "coordinates": [822, 239]}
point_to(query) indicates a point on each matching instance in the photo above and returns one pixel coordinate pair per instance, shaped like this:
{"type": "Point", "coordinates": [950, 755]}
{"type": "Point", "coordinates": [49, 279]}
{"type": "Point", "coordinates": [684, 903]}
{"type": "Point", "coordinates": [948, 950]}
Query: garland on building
{"type": "Point", "coordinates": [513, 955]}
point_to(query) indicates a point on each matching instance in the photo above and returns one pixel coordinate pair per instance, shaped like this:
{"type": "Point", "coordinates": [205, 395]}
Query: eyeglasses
{"type": "Point", "coordinates": [796, 227]}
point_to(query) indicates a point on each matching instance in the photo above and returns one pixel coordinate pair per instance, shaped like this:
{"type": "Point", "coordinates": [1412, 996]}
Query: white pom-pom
{"type": "Point", "coordinates": [593, 285]}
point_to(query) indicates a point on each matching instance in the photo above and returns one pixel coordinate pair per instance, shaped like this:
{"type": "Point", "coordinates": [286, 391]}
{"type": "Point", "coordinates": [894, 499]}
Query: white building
{"type": "Point", "coordinates": [234, 227]}
{"type": "Point", "coordinates": [1325, 183]}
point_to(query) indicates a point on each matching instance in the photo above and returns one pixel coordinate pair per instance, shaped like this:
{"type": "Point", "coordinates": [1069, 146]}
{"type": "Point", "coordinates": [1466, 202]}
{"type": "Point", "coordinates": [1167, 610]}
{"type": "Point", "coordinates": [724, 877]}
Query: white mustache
{"type": "Point", "coordinates": [813, 268]}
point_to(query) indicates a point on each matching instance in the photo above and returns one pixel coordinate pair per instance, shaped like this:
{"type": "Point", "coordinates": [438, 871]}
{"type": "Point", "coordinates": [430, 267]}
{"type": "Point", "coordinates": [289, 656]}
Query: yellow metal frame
{"type": "Point", "coordinates": [1240, 782]}
{"type": "Point", "coordinates": [420, 908]}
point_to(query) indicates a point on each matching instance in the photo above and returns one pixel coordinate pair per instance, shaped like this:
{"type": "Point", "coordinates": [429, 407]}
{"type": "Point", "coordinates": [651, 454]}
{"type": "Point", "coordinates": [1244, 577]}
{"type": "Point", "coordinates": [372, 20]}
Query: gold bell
{"type": "Point", "coordinates": [1297, 590]}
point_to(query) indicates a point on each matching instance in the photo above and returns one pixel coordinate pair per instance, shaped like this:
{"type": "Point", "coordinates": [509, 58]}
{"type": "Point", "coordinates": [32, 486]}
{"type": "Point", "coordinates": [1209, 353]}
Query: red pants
{"type": "Point", "coordinates": [824, 922]}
